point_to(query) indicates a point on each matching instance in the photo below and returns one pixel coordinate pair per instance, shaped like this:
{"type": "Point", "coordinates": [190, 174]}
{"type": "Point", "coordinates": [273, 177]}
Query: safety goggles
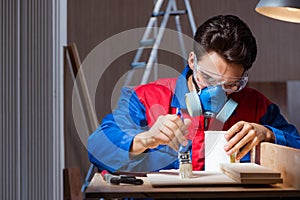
{"type": "Point", "coordinates": [208, 78]}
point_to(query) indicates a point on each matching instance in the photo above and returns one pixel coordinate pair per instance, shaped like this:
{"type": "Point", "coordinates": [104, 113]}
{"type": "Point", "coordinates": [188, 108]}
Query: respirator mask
{"type": "Point", "coordinates": [212, 100]}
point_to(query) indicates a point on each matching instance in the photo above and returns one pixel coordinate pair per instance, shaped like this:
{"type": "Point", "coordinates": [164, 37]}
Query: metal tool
{"type": "Point", "coordinates": [117, 179]}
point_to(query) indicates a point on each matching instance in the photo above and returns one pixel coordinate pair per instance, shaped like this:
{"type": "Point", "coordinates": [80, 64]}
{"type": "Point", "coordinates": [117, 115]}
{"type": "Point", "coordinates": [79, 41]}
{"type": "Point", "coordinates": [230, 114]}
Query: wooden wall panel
{"type": "Point", "coordinates": [90, 22]}
{"type": "Point", "coordinates": [275, 91]}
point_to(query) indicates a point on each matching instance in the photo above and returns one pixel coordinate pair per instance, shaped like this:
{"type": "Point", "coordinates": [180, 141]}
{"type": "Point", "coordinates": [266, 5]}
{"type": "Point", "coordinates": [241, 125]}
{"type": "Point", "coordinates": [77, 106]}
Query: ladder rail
{"type": "Point", "coordinates": [152, 23]}
{"type": "Point", "coordinates": [145, 36]}
{"type": "Point", "coordinates": [154, 50]}
{"type": "Point", "coordinates": [152, 62]}
{"type": "Point", "coordinates": [157, 6]}
{"type": "Point", "coordinates": [180, 37]}
{"type": "Point", "coordinates": [190, 16]}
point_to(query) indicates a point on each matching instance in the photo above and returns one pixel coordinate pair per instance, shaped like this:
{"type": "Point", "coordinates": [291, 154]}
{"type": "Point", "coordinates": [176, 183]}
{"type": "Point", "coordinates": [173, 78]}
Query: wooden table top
{"type": "Point", "coordinates": [98, 188]}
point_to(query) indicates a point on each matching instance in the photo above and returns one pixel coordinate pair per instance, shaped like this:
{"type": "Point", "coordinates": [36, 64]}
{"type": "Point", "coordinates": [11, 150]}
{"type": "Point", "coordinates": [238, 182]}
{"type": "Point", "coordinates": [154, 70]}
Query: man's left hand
{"type": "Point", "coordinates": [243, 136]}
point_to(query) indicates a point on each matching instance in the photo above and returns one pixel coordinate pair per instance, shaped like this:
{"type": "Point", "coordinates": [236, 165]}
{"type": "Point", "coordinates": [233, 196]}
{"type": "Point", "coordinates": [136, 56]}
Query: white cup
{"type": "Point", "coordinates": [214, 150]}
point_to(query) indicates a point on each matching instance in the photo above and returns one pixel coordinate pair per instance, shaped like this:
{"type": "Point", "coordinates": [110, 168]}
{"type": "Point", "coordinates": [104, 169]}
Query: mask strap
{"type": "Point", "coordinates": [193, 78]}
{"type": "Point", "coordinates": [195, 84]}
{"type": "Point", "coordinates": [193, 104]}
{"type": "Point", "coordinates": [227, 110]}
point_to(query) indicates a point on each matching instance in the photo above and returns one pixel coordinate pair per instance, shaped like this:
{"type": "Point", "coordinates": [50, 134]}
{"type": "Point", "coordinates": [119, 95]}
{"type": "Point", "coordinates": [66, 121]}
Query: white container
{"type": "Point", "coordinates": [214, 150]}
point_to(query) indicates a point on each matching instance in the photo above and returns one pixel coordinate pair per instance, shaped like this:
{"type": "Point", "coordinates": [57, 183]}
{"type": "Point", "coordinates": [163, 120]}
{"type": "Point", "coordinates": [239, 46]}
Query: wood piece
{"type": "Point", "coordinates": [81, 87]}
{"type": "Point", "coordinates": [171, 178]}
{"type": "Point", "coordinates": [235, 173]}
{"type": "Point", "coordinates": [251, 173]}
{"type": "Point", "coordinates": [283, 159]}
{"type": "Point", "coordinates": [73, 63]}
{"type": "Point", "coordinates": [75, 150]}
{"type": "Point", "coordinates": [249, 170]}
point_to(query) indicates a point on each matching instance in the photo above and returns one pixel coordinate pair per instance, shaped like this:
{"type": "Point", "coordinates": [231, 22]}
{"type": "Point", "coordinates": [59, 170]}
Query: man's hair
{"type": "Point", "coordinates": [228, 36]}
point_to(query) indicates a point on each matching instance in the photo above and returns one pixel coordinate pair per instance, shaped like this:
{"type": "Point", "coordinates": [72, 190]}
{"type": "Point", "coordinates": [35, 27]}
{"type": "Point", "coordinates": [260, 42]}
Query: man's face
{"type": "Point", "coordinates": [211, 69]}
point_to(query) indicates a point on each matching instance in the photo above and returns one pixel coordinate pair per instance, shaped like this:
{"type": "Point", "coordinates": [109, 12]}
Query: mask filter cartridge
{"type": "Point", "coordinates": [210, 101]}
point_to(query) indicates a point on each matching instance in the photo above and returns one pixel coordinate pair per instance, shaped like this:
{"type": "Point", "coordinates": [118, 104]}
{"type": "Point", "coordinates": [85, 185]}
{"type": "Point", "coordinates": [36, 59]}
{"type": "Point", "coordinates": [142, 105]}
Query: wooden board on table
{"type": "Point", "coordinates": [171, 178]}
{"type": "Point", "coordinates": [251, 173]}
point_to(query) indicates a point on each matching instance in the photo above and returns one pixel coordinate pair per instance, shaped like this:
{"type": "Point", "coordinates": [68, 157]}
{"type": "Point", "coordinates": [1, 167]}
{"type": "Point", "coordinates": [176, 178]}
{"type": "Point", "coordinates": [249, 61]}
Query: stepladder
{"type": "Point", "coordinates": [153, 35]}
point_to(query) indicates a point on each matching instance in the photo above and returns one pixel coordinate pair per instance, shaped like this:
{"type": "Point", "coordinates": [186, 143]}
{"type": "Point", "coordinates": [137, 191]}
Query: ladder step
{"type": "Point", "coordinates": [137, 65]}
{"type": "Point", "coordinates": [147, 42]}
{"type": "Point", "coordinates": [157, 14]}
{"type": "Point", "coordinates": [176, 12]}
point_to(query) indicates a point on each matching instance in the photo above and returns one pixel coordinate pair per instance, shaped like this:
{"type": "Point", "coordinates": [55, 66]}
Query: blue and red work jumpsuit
{"type": "Point", "coordinates": [138, 109]}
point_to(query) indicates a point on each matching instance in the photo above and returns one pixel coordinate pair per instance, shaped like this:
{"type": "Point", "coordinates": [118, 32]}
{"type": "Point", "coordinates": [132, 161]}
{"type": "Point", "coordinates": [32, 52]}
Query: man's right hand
{"type": "Point", "coordinates": [168, 129]}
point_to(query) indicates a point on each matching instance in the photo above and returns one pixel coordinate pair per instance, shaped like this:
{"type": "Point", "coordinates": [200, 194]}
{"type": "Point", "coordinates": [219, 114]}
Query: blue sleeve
{"type": "Point", "coordinates": [109, 145]}
{"type": "Point", "coordinates": [285, 134]}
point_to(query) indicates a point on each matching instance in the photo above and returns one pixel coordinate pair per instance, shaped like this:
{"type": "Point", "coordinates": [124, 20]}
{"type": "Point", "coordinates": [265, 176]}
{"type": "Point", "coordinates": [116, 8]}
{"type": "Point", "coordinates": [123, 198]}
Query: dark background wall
{"type": "Point", "coordinates": [91, 22]}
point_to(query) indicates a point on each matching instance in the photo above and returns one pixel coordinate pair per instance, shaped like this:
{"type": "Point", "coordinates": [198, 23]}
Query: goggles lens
{"type": "Point", "coordinates": [232, 84]}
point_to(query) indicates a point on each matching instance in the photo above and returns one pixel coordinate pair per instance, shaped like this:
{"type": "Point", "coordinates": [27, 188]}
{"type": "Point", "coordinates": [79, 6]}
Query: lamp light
{"type": "Point", "coordinates": [285, 10]}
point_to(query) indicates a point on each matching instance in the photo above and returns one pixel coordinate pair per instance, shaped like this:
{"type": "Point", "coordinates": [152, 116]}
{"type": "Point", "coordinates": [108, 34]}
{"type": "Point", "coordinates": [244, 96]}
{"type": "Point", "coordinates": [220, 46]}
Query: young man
{"type": "Point", "coordinates": [145, 131]}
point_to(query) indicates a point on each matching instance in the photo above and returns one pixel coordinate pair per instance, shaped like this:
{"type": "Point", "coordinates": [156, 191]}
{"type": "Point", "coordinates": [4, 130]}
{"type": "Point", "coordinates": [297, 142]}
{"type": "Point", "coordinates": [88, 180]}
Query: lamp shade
{"type": "Point", "coordinates": [286, 10]}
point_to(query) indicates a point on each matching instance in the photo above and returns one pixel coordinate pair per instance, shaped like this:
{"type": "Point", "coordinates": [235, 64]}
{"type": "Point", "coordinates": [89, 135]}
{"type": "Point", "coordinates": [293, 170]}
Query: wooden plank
{"type": "Point", "coordinates": [171, 178]}
{"type": "Point", "coordinates": [250, 173]}
{"type": "Point", "coordinates": [283, 159]}
{"type": "Point", "coordinates": [75, 150]}
{"type": "Point", "coordinates": [235, 173]}
{"type": "Point", "coordinates": [74, 58]}
{"type": "Point", "coordinates": [89, 115]}
{"type": "Point", "coordinates": [248, 170]}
